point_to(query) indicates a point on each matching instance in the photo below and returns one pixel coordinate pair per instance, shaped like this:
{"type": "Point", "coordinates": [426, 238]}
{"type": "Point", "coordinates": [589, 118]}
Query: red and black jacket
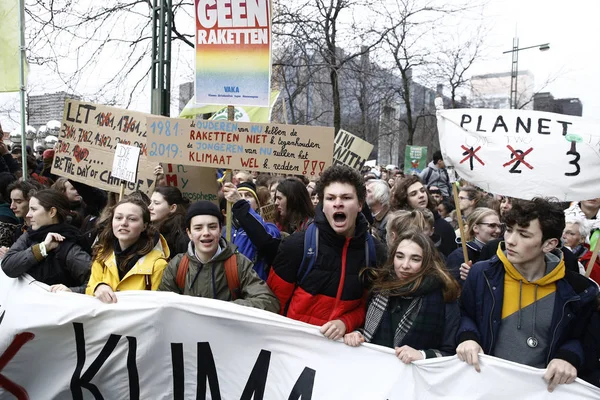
{"type": "Point", "coordinates": [332, 289]}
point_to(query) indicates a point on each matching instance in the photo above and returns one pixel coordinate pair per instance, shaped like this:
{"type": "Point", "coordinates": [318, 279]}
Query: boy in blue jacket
{"type": "Point", "coordinates": [522, 305]}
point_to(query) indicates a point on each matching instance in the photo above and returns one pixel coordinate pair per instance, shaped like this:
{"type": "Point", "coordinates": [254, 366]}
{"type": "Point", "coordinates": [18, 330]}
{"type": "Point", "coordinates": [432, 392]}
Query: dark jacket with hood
{"type": "Point", "coordinates": [456, 258]}
{"type": "Point", "coordinates": [444, 231]}
{"type": "Point", "coordinates": [332, 289]}
{"type": "Point", "coordinates": [483, 298]}
{"type": "Point", "coordinates": [68, 264]}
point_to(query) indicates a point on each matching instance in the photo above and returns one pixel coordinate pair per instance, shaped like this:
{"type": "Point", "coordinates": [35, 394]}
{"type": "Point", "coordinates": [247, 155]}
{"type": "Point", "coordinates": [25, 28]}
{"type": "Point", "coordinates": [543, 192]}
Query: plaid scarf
{"type": "Point", "coordinates": [375, 314]}
{"type": "Point", "coordinates": [421, 326]}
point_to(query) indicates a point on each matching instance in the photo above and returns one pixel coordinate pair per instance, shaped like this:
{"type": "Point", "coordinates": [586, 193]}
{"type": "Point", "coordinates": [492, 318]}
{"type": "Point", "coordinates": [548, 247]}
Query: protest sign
{"type": "Point", "coordinates": [87, 142]}
{"type": "Point", "coordinates": [284, 149]}
{"type": "Point", "coordinates": [268, 212]}
{"type": "Point", "coordinates": [155, 345]}
{"type": "Point", "coordinates": [243, 114]}
{"type": "Point", "coordinates": [233, 52]}
{"type": "Point", "coordinates": [125, 162]}
{"type": "Point", "coordinates": [522, 153]}
{"type": "Point", "coordinates": [195, 183]}
{"type": "Point", "coordinates": [415, 159]}
{"type": "Point", "coordinates": [350, 150]}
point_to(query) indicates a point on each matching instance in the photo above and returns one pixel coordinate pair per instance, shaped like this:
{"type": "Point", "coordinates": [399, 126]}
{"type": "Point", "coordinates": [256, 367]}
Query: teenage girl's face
{"type": "Point", "coordinates": [408, 259]}
{"type": "Point", "coordinates": [39, 216]}
{"type": "Point", "coordinates": [417, 195]}
{"type": "Point", "coordinates": [505, 205]}
{"type": "Point", "coordinates": [128, 224]}
{"type": "Point", "coordinates": [488, 229]}
{"type": "Point", "coordinates": [281, 203]}
{"type": "Point", "coordinates": [159, 207]}
{"type": "Point", "coordinates": [71, 193]}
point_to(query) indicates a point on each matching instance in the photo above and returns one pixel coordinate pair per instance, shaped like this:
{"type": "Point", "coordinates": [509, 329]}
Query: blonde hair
{"type": "Point", "coordinates": [399, 221]}
{"type": "Point", "coordinates": [475, 218]}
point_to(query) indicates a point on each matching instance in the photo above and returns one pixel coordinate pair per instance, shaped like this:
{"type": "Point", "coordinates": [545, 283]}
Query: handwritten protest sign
{"type": "Point", "coordinates": [268, 212]}
{"type": "Point", "coordinates": [87, 142]}
{"type": "Point", "coordinates": [233, 52]}
{"type": "Point", "coordinates": [291, 149]}
{"type": "Point", "coordinates": [195, 183]}
{"type": "Point", "coordinates": [415, 159]}
{"type": "Point", "coordinates": [350, 150]}
{"type": "Point", "coordinates": [522, 153]}
{"type": "Point", "coordinates": [125, 162]}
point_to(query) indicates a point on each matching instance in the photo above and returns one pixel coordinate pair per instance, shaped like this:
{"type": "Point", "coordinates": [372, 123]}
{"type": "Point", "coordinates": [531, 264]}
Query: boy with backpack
{"type": "Point", "coordinates": [316, 274]}
{"type": "Point", "coordinates": [214, 268]}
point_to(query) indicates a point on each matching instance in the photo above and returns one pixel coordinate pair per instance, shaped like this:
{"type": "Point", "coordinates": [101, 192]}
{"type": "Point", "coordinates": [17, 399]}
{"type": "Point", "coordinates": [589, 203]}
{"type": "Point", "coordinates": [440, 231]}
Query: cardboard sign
{"type": "Point", "coordinates": [125, 162]}
{"type": "Point", "coordinates": [350, 150]}
{"type": "Point", "coordinates": [268, 212]}
{"type": "Point", "coordinates": [195, 183]}
{"type": "Point", "coordinates": [415, 159]}
{"type": "Point", "coordinates": [233, 52]}
{"type": "Point", "coordinates": [282, 149]}
{"type": "Point", "coordinates": [87, 142]}
{"type": "Point", "coordinates": [522, 153]}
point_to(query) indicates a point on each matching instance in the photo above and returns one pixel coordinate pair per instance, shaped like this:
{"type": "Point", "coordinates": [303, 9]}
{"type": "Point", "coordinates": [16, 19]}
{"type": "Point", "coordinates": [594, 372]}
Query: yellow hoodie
{"type": "Point", "coordinates": [519, 292]}
{"type": "Point", "coordinates": [151, 265]}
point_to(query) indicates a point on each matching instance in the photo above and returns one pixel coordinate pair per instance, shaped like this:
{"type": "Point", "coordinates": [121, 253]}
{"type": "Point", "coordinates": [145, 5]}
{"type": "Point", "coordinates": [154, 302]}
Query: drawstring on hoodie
{"type": "Point", "coordinates": [532, 340]}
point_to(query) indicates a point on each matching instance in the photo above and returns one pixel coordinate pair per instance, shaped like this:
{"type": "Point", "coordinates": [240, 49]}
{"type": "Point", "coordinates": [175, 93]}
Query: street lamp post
{"type": "Point", "coordinates": [514, 73]}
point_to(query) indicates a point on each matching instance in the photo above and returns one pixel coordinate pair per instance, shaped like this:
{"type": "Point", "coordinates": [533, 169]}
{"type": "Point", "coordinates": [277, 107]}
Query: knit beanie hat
{"type": "Point", "coordinates": [249, 187]}
{"type": "Point", "coordinates": [203, 207]}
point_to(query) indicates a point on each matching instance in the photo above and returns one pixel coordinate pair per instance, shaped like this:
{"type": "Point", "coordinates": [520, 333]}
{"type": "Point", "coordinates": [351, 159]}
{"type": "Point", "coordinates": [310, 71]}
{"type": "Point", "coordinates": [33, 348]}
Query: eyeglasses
{"type": "Point", "coordinates": [493, 225]}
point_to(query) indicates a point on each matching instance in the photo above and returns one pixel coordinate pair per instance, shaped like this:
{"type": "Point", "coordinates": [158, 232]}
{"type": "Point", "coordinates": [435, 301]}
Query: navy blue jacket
{"type": "Point", "coordinates": [481, 310]}
{"type": "Point", "coordinates": [456, 258]}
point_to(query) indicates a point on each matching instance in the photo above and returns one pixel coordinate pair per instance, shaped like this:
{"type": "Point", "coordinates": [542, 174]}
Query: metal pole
{"type": "Point", "coordinates": [514, 75]}
{"type": "Point", "coordinates": [22, 86]}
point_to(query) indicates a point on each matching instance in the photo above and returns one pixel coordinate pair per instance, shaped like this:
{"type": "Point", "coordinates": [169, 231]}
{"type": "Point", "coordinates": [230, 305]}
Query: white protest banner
{"type": "Point", "coordinates": [350, 150]}
{"type": "Point", "coordinates": [125, 162]}
{"type": "Point", "coordinates": [87, 142]}
{"type": "Point", "coordinates": [522, 153]}
{"type": "Point", "coordinates": [287, 149]}
{"type": "Point", "coordinates": [233, 52]}
{"type": "Point", "coordinates": [155, 345]}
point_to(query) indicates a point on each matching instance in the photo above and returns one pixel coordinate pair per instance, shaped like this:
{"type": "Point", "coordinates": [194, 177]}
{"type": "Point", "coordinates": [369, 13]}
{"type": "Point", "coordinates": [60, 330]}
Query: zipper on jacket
{"type": "Point", "coordinates": [342, 278]}
{"type": "Point", "coordinates": [492, 313]}
{"type": "Point", "coordinates": [557, 325]}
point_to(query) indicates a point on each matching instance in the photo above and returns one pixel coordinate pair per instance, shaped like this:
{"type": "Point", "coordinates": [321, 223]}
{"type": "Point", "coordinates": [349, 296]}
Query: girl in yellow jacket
{"type": "Point", "coordinates": [129, 254]}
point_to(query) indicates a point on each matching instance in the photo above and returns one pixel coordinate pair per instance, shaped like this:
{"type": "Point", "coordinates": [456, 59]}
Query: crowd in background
{"type": "Point", "coordinates": [371, 256]}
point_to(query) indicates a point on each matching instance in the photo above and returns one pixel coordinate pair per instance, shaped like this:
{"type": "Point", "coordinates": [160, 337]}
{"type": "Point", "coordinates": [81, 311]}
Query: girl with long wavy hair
{"type": "Point", "coordinates": [130, 254]}
{"type": "Point", "coordinates": [412, 306]}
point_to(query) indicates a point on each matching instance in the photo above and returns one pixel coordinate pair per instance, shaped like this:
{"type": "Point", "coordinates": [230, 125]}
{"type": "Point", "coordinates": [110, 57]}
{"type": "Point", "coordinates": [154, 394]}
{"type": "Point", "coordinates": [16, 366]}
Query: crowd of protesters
{"type": "Point", "coordinates": [372, 256]}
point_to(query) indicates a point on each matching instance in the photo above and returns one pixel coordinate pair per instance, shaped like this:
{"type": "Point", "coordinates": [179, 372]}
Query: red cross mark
{"type": "Point", "coordinates": [19, 341]}
{"type": "Point", "coordinates": [470, 155]}
{"type": "Point", "coordinates": [519, 157]}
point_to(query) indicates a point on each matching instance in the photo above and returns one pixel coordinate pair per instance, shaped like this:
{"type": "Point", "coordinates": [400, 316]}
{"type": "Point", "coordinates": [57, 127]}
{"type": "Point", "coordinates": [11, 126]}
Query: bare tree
{"type": "Point", "coordinates": [101, 50]}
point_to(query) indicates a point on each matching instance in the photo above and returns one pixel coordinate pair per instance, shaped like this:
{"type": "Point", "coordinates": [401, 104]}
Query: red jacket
{"type": "Point", "coordinates": [585, 260]}
{"type": "Point", "coordinates": [333, 289]}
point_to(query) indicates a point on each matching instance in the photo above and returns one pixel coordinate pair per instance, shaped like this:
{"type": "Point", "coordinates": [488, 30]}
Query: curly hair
{"type": "Point", "coordinates": [546, 210]}
{"type": "Point", "coordinates": [399, 195]}
{"type": "Point", "coordinates": [385, 280]}
{"type": "Point", "coordinates": [104, 247]}
{"type": "Point", "coordinates": [342, 174]}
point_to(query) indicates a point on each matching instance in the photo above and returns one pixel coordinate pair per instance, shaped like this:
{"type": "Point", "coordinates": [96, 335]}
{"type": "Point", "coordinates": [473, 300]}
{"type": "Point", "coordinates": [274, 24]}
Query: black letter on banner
{"type": "Point", "coordinates": [206, 369]}
{"type": "Point", "coordinates": [79, 381]}
{"type": "Point", "coordinates": [258, 378]}
{"type": "Point", "coordinates": [463, 120]}
{"type": "Point", "coordinates": [134, 378]}
{"type": "Point", "coordinates": [2, 316]}
{"type": "Point", "coordinates": [178, 373]}
{"type": "Point", "coordinates": [304, 385]}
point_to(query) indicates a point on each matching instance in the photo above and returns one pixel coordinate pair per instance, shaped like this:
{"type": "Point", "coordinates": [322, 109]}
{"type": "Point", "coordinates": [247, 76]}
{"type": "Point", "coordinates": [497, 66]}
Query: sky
{"type": "Point", "coordinates": [571, 27]}
{"type": "Point", "coordinates": [571, 65]}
